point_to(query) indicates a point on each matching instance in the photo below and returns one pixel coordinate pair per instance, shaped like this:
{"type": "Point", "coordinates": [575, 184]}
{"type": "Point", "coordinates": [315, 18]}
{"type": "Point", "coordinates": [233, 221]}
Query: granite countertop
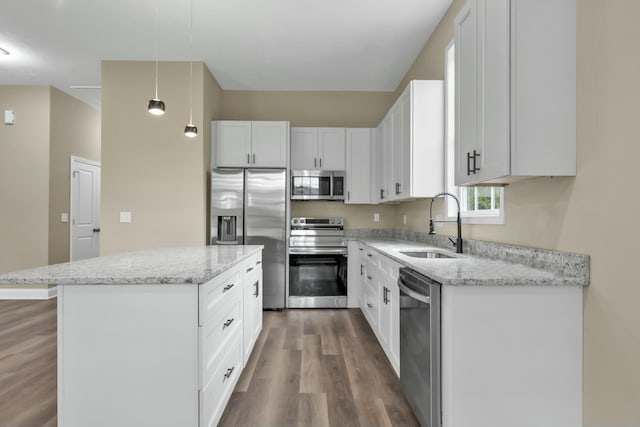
{"type": "Point", "coordinates": [471, 270]}
{"type": "Point", "coordinates": [166, 265]}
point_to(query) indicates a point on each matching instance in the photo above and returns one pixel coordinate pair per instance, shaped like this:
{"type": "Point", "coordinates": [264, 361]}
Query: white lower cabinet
{"type": "Point", "coordinates": [381, 300]}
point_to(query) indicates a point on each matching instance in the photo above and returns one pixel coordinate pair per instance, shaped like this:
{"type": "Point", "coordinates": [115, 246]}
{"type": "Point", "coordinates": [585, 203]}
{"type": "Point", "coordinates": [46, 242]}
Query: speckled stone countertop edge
{"type": "Point", "coordinates": [471, 269]}
{"type": "Point", "coordinates": [64, 273]}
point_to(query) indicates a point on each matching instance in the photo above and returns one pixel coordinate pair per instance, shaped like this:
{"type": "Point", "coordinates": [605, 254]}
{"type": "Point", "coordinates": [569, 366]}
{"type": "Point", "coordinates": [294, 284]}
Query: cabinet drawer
{"type": "Point", "coordinates": [371, 307]}
{"type": "Point", "coordinates": [212, 293]}
{"type": "Point", "coordinates": [215, 338]}
{"type": "Point", "coordinates": [252, 263]}
{"type": "Point", "coordinates": [372, 257]}
{"type": "Point", "coordinates": [214, 397]}
{"type": "Point", "coordinates": [389, 267]}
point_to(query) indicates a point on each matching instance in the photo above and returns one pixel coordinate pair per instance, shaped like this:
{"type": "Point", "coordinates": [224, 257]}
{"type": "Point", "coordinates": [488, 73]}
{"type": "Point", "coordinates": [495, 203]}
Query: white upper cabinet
{"type": "Point", "coordinates": [410, 153]}
{"type": "Point", "coordinates": [269, 144]}
{"type": "Point", "coordinates": [232, 140]}
{"type": "Point", "coordinates": [379, 162]}
{"type": "Point", "coordinates": [318, 148]}
{"type": "Point", "coordinates": [358, 167]}
{"type": "Point", "coordinates": [250, 144]}
{"type": "Point", "coordinates": [515, 90]}
{"type": "Point", "coordinates": [304, 148]}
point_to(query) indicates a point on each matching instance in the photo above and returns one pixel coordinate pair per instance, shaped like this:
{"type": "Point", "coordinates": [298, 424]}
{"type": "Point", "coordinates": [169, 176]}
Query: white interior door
{"type": "Point", "coordinates": [85, 209]}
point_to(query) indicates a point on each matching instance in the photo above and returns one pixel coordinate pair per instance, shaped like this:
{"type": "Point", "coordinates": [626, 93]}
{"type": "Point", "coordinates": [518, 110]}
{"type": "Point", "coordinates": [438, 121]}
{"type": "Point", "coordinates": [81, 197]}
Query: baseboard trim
{"type": "Point", "coordinates": [29, 293]}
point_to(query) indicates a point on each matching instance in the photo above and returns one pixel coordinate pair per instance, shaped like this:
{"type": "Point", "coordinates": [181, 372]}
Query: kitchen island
{"type": "Point", "coordinates": [155, 337]}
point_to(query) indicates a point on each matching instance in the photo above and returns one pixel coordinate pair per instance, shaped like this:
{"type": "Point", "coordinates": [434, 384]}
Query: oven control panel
{"type": "Point", "coordinates": [317, 222]}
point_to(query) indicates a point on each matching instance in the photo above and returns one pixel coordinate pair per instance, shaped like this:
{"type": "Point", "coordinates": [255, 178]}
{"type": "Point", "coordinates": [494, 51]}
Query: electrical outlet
{"type": "Point", "coordinates": [376, 217]}
{"type": "Point", "coordinates": [64, 217]}
{"type": "Point", "coordinates": [125, 217]}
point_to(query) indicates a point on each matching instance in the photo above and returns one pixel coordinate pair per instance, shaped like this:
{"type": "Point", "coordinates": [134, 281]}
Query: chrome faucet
{"type": "Point", "coordinates": [458, 242]}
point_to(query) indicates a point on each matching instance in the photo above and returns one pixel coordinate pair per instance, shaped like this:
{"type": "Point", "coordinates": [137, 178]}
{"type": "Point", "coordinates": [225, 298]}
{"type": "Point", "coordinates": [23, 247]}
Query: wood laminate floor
{"type": "Point", "coordinates": [28, 363]}
{"type": "Point", "coordinates": [309, 368]}
{"type": "Point", "coordinates": [317, 368]}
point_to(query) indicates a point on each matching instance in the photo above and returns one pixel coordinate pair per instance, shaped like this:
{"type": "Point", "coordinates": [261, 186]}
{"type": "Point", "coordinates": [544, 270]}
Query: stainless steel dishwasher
{"type": "Point", "coordinates": [420, 345]}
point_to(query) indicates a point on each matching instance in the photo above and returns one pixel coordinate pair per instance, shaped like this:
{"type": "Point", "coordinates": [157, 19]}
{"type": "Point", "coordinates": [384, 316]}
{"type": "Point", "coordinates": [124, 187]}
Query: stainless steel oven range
{"type": "Point", "coordinates": [317, 263]}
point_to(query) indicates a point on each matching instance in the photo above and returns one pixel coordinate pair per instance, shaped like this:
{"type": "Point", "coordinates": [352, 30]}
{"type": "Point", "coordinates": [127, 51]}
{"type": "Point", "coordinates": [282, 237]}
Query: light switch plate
{"type": "Point", "coordinates": [9, 117]}
{"type": "Point", "coordinates": [125, 217]}
{"type": "Point", "coordinates": [64, 217]}
{"type": "Point", "coordinates": [376, 217]}
{"type": "Point", "coordinates": [404, 219]}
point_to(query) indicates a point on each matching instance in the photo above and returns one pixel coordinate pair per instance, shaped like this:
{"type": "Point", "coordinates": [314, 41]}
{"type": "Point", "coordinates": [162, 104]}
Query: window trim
{"type": "Point", "coordinates": [492, 216]}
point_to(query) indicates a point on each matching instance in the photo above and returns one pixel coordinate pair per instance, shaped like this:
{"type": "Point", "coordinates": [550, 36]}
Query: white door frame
{"type": "Point", "coordinates": [71, 211]}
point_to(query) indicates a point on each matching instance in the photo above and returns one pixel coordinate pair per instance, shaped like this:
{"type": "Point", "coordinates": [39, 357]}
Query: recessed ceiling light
{"type": "Point", "coordinates": [4, 51]}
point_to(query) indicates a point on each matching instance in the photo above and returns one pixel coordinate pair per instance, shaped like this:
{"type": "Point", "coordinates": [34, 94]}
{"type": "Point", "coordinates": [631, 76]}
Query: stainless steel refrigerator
{"type": "Point", "coordinates": [249, 207]}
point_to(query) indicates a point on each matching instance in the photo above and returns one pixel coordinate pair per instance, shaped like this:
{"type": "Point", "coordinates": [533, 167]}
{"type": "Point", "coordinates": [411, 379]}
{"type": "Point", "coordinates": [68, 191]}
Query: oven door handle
{"type": "Point", "coordinates": [413, 294]}
{"type": "Point", "coordinates": [317, 251]}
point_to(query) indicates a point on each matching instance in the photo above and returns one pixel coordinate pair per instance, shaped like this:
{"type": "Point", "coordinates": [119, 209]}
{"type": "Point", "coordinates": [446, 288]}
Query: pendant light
{"type": "Point", "coordinates": [156, 106]}
{"type": "Point", "coordinates": [190, 129]}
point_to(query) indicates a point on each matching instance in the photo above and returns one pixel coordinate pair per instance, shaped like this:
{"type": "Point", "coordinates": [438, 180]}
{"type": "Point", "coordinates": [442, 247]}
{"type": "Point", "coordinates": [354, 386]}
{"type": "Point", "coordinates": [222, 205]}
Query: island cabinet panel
{"type": "Point", "coordinates": [156, 354]}
{"type": "Point", "coordinates": [127, 355]}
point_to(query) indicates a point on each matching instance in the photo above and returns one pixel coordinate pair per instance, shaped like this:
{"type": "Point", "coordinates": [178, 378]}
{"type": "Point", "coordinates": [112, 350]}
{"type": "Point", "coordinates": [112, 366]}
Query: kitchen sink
{"type": "Point", "coordinates": [426, 254]}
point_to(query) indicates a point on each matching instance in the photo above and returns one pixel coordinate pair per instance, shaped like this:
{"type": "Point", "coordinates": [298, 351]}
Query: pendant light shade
{"type": "Point", "coordinates": [156, 106]}
{"type": "Point", "coordinates": [191, 130]}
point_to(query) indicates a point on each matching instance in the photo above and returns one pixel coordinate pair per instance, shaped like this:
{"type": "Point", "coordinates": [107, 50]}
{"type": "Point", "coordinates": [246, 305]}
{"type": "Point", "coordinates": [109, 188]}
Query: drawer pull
{"type": "Point", "coordinates": [369, 277]}
{"type": "Point", "coordinates": [228, 374]}
{"type": "Point", "coordinates": [257, 292]}
{"type": "Point", "coordinates": [226, 288]}
{"type": "Point", "coordinates": [360, 249]}
{"type": "Point", "coordinates": [228, 323]}
{"type": "Point", "coordinates": [369, 305]}
{"type": "Point", "coordinates": [369, 255]}
{"type": "Point", "coordinates": [258, 262]}
{"type": "Point", "coordinates": [249, 269]}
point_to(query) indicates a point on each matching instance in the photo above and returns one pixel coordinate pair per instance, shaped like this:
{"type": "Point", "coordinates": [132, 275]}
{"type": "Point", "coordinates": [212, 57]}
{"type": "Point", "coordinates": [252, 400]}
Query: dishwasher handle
{"type": "Point", "coordinates": [413, 294]}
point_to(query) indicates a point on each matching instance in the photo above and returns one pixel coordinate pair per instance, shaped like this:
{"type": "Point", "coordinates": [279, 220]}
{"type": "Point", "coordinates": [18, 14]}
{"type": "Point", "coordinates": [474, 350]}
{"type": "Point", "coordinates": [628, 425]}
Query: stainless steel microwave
{"type": "Point", "coordinates": [317, 185]}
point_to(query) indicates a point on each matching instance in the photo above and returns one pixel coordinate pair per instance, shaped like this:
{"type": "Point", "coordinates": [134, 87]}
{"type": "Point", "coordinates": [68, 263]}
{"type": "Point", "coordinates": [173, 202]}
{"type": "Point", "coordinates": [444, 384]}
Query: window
{"type": "Point", "coordinates": [478, 205]}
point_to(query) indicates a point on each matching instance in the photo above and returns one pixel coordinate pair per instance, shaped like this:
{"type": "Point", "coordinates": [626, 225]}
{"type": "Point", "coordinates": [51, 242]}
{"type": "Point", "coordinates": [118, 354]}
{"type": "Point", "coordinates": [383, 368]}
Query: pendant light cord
{"type": "Point", "coordinates": [157, 35]}
{"type": "Point", "coordinates": [191, 67]}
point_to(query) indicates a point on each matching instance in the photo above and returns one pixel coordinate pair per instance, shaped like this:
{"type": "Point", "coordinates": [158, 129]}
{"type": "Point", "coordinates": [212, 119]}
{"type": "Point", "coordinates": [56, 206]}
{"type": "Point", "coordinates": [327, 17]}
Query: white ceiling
{"type": "Point", "coordinates": [360, 45]}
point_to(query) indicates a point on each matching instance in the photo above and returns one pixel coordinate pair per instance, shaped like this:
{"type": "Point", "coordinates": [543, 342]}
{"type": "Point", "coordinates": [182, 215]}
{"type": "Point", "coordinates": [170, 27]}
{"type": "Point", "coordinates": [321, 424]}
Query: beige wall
{"type": "Point", "coordinates": [593, 213]}
{"type": "Point", "coordinates": [75, 131]}
{"type": "Point", "coordinates": [24, 178]}
{"type": "Point", "coordinates": [356, 216]}
{"type": "Point", "coordinates": [337, 109]}
{"type": "Point", "coordinates": [149, 168]}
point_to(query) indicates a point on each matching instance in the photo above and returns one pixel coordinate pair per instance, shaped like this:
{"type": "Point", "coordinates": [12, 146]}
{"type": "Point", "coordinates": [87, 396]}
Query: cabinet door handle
{"type": "Point", "coordinates": [254, 158]}
{"type": "Point", "coordinates": [258, 262]}
{"type": "Point", "coordinates": [397, 188]}
{"type": "Point", "coordinates": [369, 305]}
{"type": "Point", "coordinates": [248, 158]}
{"type": "Point", "coordinates": [227, 323]}
{"type": "Point", "coordinates": [473, 156]}
{"type": "Point", "coordinates": [315, 163]}
{"type": "Point", "coordinates": [320, 162]}
{"type": "Point", "coordinates": [228, 374]}
{"type": "Point", "coordinates": [257, 292]}
{"type": "Point", "coordinates": [249, 269]}
{"type": "Point", "coordinates": [226, 288]}
{"type": "Point", "coordinates": [361, 269]}
{"type": "Point", "coordinates": [348, 195]}
{"type": "Point", "coordinates": [381, 193]}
